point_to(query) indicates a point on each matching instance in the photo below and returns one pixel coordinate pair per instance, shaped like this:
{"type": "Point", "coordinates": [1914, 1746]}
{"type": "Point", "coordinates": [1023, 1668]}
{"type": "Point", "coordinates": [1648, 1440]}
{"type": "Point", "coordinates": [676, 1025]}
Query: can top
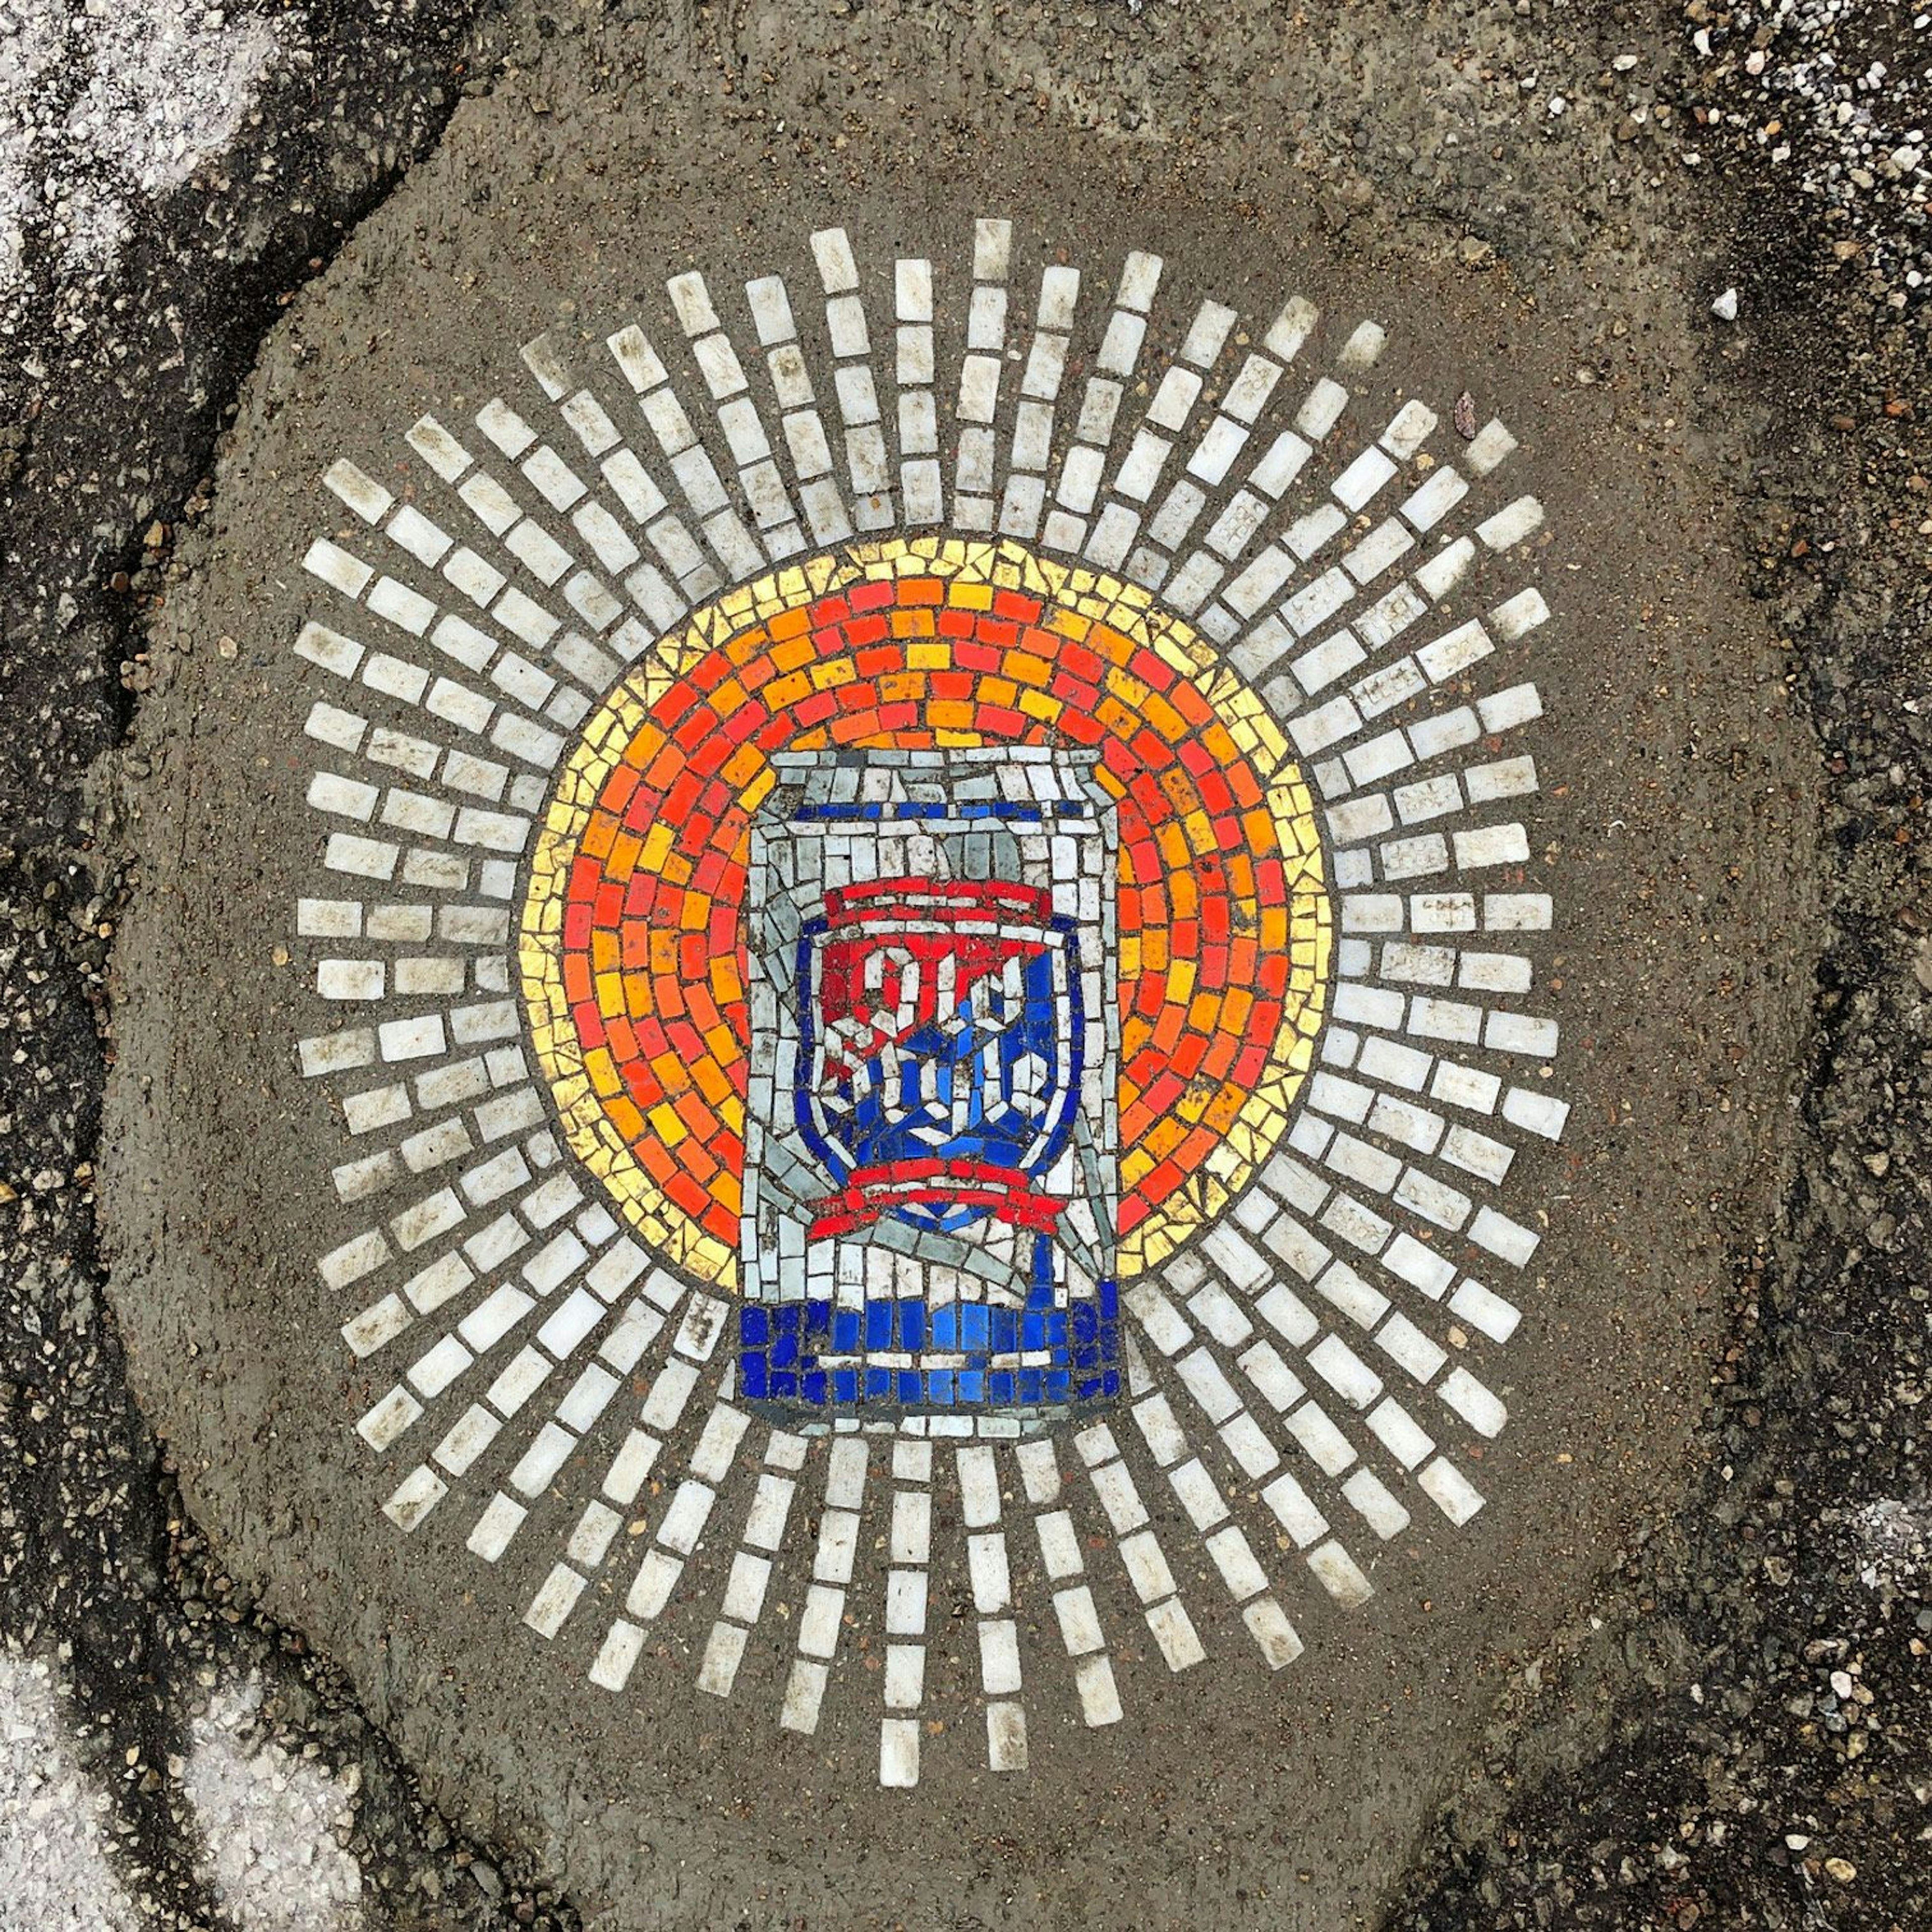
{"type": "Point", "coordinates": [791, 766]}
{"type": "Point", "coordinates": [1021, 781]}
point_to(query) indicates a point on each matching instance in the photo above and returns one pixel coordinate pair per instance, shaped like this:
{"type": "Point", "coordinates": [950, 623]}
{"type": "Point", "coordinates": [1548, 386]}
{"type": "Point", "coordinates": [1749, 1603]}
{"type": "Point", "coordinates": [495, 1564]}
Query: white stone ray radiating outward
{"type": "Point", "coordinates": [823, 1617]}
{"type": "Point", "coordinates": [686, 1515]}
{"type": "Point", "coordinates": [1255, 1451]}
{"type": "Point", "coordinates": [1081, 469]}
{"type": "Point", "coordinates": [767, 1516]}
{"type": "Point", "coordinates": [989, 1571]}
{"type": "Point", "coordinates": [1131, 485]}
{"type": "Point", "coordinates": [1226, 1543]}
{"type": "Point", "coordinates": [1140, 1550]}
{"type": "Point", "coordinates": [1074, 1607]}
{"type": "Point", "coordinates": [909, 1551]}
{"type": "Point", "coordinates": [852, 381]}
{"type": "Point", "coordinates": [1023, 502]}
{"type": "Point", "coordinates": [1236, 1251]}
{"type": "Point", "coordinates": [739, 421]}
{"type": "Point", "coordinates": [662, 599]}
{"type": "Point", "coordinates": [976, 465]}
{"type": "Point", "coordinates": [922, 484]}
{"type": "Point", "coordinates": [1232, 609]}
{"type": "Point", "coordinates": [694, 474]}
{"type": "Point", "coordinates": [806, 441]}
{"type": "Point", "coordinates": [675, 1377]}
{"type": "Point", "coordinates": [503, 1304]}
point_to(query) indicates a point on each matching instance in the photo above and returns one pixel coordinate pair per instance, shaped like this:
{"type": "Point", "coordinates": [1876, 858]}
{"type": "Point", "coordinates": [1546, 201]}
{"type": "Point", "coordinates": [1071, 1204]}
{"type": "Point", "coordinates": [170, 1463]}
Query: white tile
{"type": "Point", "coordinates": [1059, 1544]}
{"type": "Point", "coordinates": [495, 1527]}
{"type": "Point", "coordinates": [1119, 1498]}
{"type": "Point", "coordinates": [1040, 1469]}
{"type": "Point", "coordinates": [991, 1579]}
{"type": "Point", "coordinates": [1512, 524]}
{"type": "Point", "coordinates": [804, 1691]}
{"type": "Point", "coordinates": [1340, 1574]}
{"type": "Point", "coordinates": [1175, 1634]}
{"type": "Point", "coordinates": [1492, 444]}
{"type": "Point", "coordinates": [1450, 1490]}
{"type": "Point", "coordinates": [1234, 1558]}
{"type": "Point", "coordinates": [899, 1753]}
{"type": "Point", "coordinates": [818, 1624]}
{"type": "Point", "coordinates": [905, 1676]}
{"type": "Point", "coordinates": [614, 1662]}
{"type": "Point", "coordinates": [1371, 1499]}
{"type": "Point", "coordinates": [718, 1445]}
{"type": "Point", "coordinates": [1199, 1495]}
{"type": "Point", "coordinates": [1513, 1242]}
{"type": "Point", "coordinates": [1099, 1699]}
{"type": "Point", "coordinates": [1473, 1402]}
{"type": "Point", "coordinates": [1272, 1631]}
{"type": "Point", "coordinates": [837, 1543]}
{"type": "Point", "coordinates": [554, 1600]}
{"type": "Point", "coordinates": [723, 1652]}
{"type": "Point", "coordinates": [1248, 1443]}
{"type": "Point", "coordinates": [389, 1418]}
{"type": "Point", "coordinates": [911, 1539]}
{"type": "Point", "coordinates": [1147, 1566]}
{"type": "Point", "coordinates": [1079, 1620]}
{"type": "Point", "coordinates": [657, 1577]}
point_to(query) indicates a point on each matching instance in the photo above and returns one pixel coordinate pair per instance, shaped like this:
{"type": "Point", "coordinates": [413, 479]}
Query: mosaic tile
{"type": "Point", "coordinates": [915, 935]}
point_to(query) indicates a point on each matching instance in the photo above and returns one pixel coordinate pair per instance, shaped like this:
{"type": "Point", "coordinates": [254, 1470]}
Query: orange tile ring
{"type": "Point", "coordinates": [632, 955]}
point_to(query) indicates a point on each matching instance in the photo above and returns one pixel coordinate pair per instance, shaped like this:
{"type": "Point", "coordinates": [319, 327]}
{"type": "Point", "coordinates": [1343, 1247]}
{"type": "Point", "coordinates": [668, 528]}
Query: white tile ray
{"type": "Point", "coordinates": [820, 1623]}
{"type": "Point", "coordinates": [1138, 1546]}
{"type": "Point", "coordinates": [768, 1517]}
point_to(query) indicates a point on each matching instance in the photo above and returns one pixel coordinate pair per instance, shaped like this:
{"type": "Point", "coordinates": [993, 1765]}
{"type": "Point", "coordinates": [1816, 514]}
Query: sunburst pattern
{"type": "Point", "coordinates": [1309, 1347]}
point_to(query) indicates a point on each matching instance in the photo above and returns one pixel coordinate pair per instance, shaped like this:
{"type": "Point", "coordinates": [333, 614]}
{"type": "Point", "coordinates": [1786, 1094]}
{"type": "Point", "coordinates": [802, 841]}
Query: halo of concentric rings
{"type": "Point", "coordinates": [632, 950]}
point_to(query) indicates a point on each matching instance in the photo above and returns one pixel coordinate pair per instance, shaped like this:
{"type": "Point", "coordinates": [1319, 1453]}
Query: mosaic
{"type": "Point", "coordinates": [922, 930]}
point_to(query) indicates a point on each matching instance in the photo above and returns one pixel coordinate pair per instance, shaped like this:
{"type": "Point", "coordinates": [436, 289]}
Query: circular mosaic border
{"type": "Point", "coordinates": [1318, 1361]}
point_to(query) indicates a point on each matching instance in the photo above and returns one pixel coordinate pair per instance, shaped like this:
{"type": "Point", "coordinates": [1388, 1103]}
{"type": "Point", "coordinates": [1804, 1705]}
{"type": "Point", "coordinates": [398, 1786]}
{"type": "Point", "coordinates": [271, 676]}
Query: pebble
{"type": "Point", "coordinates": [1725, 308]}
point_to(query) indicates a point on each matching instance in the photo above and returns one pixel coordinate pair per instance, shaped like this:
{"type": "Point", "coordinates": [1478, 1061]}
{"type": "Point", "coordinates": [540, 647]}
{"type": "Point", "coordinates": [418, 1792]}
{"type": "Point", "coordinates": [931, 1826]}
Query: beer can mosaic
{"type": "Point", "coordinates": [923, 927]}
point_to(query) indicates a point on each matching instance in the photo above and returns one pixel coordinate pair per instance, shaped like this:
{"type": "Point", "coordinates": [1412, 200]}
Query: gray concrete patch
{"type": "Point", "coordinates": [1677, 841]}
